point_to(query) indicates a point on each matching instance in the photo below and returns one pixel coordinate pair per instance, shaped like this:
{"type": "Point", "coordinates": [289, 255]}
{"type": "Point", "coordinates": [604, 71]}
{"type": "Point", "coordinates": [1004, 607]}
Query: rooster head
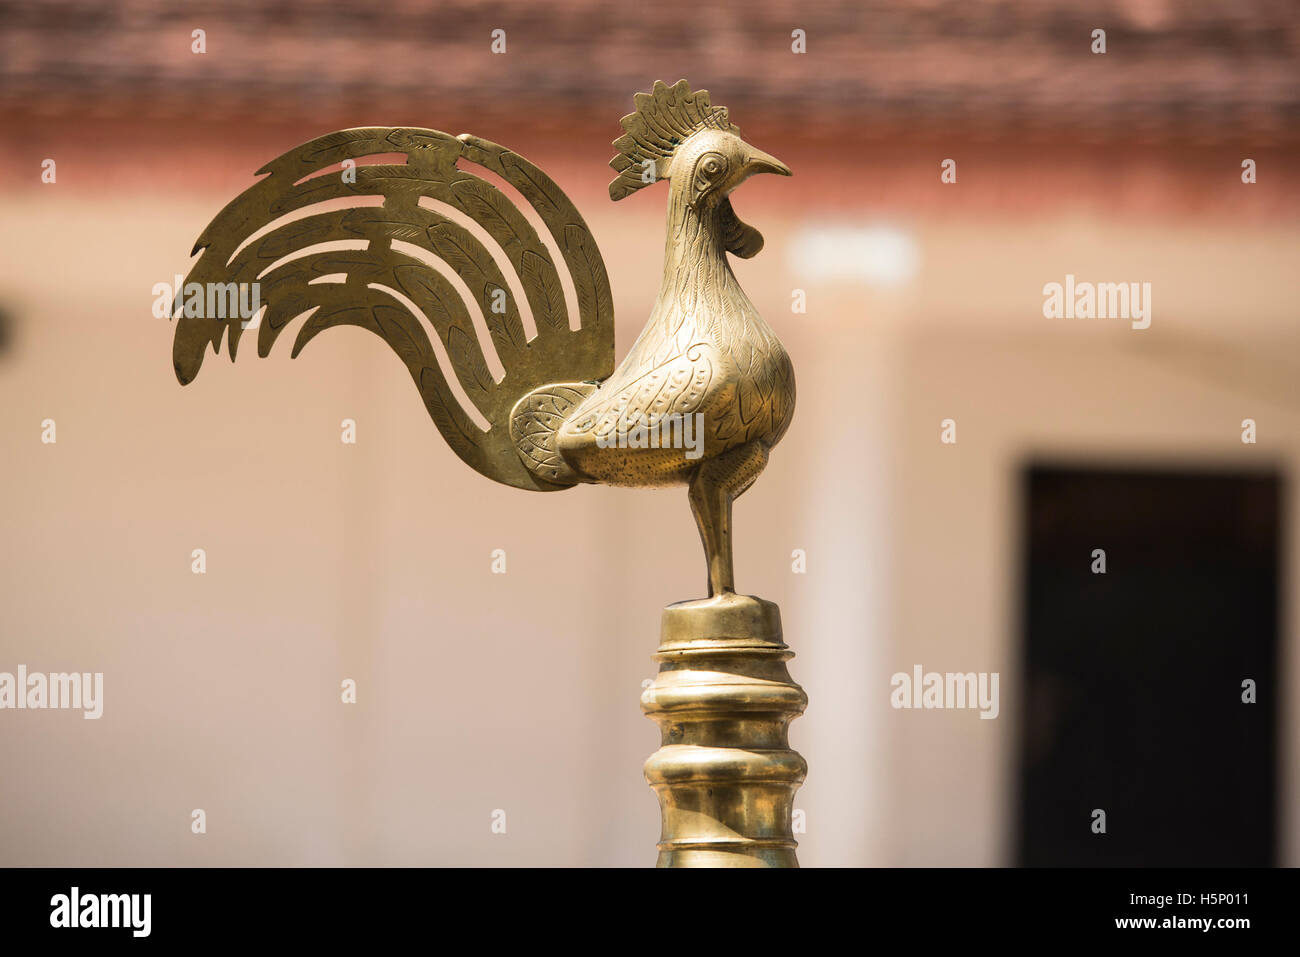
{"type": "Point", "coordinates": [678, 135]}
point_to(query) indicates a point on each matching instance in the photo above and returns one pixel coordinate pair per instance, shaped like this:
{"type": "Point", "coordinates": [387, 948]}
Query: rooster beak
{"type": "Point", "coordinates": [760, 162]}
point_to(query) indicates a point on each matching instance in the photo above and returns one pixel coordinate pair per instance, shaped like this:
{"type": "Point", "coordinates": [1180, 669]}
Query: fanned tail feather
{"type": "Point", "coordinates": [388, 275]}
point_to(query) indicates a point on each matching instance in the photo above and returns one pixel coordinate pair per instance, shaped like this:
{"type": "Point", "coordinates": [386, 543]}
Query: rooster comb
{"type": "Point", "coordinates": [664, 118]}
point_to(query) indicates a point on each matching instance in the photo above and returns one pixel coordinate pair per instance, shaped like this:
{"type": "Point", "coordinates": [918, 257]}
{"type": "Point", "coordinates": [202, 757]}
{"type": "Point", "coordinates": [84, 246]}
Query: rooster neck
{"type": "Point", "coordinates": [698, 287]}
{"type": "Point", "coordinates": [699, 300]}
{"type": "Point", "coordinates": [694, 238]}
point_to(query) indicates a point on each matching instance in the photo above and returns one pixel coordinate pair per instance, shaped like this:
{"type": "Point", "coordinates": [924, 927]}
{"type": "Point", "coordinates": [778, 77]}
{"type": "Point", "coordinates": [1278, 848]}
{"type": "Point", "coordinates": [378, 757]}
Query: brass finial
{"type": "Point", "coordinates": [700, 399]}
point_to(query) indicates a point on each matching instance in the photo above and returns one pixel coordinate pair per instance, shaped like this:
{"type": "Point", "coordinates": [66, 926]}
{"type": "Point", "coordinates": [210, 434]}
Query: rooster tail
{"type": "Point", "coordinates": [397, 248]}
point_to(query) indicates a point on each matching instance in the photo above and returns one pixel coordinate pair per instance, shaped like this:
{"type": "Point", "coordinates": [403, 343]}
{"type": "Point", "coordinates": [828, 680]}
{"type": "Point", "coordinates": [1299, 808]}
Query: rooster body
{"type": "Point", "coordinates": [705, 367]}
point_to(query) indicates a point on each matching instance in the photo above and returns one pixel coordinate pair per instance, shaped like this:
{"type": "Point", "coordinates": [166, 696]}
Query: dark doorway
{"type": "Point", "coordinates": [1133, 678]}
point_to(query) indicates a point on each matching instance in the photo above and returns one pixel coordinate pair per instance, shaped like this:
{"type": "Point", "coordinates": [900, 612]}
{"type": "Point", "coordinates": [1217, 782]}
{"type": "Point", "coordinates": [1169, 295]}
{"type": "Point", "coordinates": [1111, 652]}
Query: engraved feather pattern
{"type": "Point", "coordinates": [271, 235]}
{"type": "Point", "coordinates": [705, 351]}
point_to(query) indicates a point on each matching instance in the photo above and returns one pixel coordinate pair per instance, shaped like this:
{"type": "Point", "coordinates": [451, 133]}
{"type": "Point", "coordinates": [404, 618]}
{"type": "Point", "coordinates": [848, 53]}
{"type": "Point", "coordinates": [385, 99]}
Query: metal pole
{"type": "Point", "coordinates": [723, 699]}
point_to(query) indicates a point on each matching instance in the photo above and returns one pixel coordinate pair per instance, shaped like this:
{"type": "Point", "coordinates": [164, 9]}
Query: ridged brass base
{"type": "Point", "coordinates": [723, 700]}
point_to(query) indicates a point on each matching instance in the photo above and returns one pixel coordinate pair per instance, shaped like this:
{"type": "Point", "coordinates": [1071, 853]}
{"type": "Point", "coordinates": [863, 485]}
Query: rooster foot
{"type": "Point", "coordinates": [716, 484]}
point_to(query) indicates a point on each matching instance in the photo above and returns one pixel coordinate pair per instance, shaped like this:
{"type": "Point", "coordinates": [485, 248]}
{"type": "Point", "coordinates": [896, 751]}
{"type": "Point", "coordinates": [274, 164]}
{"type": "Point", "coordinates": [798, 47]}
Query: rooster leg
{"type": "Point", "coordinates": [718, 483]}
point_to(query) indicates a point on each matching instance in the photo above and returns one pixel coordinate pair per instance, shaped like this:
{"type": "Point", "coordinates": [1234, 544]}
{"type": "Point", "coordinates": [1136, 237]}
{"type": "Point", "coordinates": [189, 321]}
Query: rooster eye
{"type": "Point", "coordinates": [711, 165]}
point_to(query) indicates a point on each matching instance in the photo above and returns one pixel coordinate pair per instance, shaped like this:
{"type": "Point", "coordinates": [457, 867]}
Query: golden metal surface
{"type": "Point", "coordinates": [705, 353]}
{"type": "Point", "coordinates": [702, 396]}
{"type": "Point", "coordinates": [289, 265]}
{"type": "Point", "coordinates": [723, 700]}
{"type": "Point", "coordinates": [704, 361]}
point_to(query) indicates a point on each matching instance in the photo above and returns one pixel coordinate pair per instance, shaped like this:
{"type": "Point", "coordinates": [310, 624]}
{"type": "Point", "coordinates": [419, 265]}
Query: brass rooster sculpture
{"type": "Point", "coordinates": [703, 395]}
{"type": "Point", "coordinates": [704, 367]}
